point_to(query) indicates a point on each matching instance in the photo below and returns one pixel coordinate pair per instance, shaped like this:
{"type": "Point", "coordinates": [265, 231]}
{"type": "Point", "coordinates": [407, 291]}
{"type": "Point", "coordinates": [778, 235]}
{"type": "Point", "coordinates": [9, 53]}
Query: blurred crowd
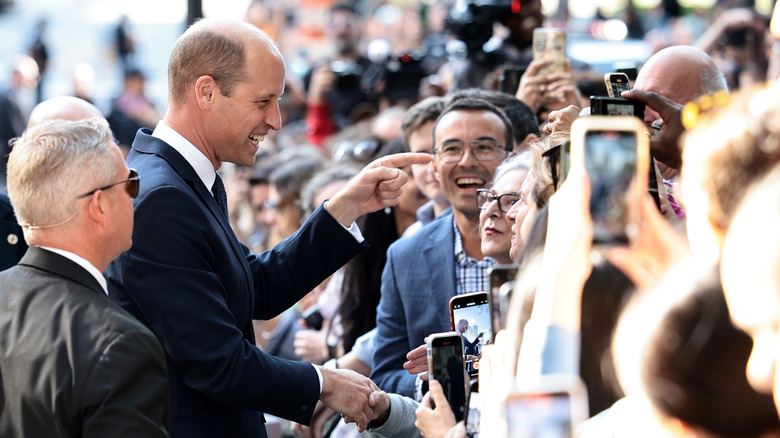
{"type": "Point", "coordinates": [657, 328]}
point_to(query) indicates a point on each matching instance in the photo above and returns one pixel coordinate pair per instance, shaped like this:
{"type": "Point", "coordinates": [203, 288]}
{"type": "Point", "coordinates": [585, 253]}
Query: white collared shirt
{"type": "Point", "coordinates": [81, 261]}
{"type": "Point", "coordinates": [193, 155]}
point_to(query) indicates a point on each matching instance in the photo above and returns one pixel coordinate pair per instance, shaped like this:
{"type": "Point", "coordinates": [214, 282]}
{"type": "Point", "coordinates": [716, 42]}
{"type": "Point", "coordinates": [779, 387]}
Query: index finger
{"type": "Point", "coordinates": [434, 387]}
{"type": "Point", "coordinates": [652, 99]}
{"type": "Point", "coordinates": [402, 160]}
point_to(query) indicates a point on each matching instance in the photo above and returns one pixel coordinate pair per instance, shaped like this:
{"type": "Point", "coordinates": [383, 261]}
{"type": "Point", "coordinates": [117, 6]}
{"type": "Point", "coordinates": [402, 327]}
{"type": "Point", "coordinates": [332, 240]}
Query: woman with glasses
{"type": "Point", "coordinates": [495, 229]}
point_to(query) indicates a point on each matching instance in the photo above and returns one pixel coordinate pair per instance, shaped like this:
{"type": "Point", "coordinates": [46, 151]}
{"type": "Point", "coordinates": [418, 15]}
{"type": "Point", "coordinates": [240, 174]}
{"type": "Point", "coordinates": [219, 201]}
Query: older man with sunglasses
{"type": "Point", "coordinates": [72, 363]}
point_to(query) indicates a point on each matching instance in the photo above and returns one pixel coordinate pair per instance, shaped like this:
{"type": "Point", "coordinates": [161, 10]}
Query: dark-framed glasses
{"type": "Point", "coordinates": [505, 200]}
{"type": "Point", "coordinates": [483, 150]}
{"type": "Point", "coordinates": [132, 181]}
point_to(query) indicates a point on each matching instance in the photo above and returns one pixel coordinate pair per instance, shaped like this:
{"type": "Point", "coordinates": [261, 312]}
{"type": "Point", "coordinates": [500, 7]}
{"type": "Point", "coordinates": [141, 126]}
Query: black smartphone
{"type": "Point", "coordinates": [509, 80]}
{"type": "Point", "coordinates": [553, 408]}
{"type": "Point", "coordinates": [498, 276]}
{"type": "Point", "coordinates": [615, 154]}
{"type": "Point", "coordinates": [313, 318]}
{"type": "Point", "coordinates": [616, 106]}
{"type": "Point", "coordinates": [470, 315]}
{"type": "Point", "coordinates": [446, 365]}
{"type": "Point", "coordinates": [616, 84]}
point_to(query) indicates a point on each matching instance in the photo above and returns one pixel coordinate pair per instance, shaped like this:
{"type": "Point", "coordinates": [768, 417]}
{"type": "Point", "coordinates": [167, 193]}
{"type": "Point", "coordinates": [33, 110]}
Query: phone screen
{"type": "Point", "coordinates": [498, 276]}
{"type": "Point", "coordinates": [610, 160]}
{"type": "Point", "coordinates": [446, 366]}
{"type": "Point", "coordinates": [471, 317]}
{"type": "Point", "coordinates": [540, 415]}
{"type": "Point", "coordinates": [618, 83]}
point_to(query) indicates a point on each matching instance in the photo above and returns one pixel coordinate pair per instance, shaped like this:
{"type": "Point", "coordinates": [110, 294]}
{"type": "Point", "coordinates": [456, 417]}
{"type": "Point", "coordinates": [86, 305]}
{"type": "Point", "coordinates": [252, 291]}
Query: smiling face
{"type": "Point", "coordinates": [238, 123]}
{"type": "Point", "coordinates": [460, 181]}
{"type": "Point", "coordinates": [495, 228]}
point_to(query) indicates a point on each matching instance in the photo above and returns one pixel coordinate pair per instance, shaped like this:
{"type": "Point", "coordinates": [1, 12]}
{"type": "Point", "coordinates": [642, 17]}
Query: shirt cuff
{"type": "Point", "coordinates": [319, 375]}
{"type": "Point", "coordinates": [353, 229]}
{"type": "Point", "coordinates": [418, 388]}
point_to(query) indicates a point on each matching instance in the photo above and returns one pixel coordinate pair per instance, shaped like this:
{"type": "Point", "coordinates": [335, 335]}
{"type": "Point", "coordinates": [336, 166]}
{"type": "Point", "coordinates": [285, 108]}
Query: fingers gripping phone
{"type": "Point", "coordinates": [615, 152]}
{"type": "Point", "coordinates": [446, 365]}
{"type": "Point", "coordinates": [470, 316]}
{"type": "Point", "coordinates": [616, 84]}
{"type": "Point", "coordinates": [553, 408]}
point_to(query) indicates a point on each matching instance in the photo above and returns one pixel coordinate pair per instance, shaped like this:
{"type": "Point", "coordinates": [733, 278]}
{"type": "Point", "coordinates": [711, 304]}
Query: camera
{"type": "Point", "coordinates": [347, 75]}
{"type": "Point", "coordinates": [399, 76]}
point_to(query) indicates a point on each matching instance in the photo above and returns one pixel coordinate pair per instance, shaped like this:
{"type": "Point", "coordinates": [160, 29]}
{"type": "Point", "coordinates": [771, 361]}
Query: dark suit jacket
{"type": "Point", "coordinates": [72, 363]}
{"type": "Point", "coordinates": [198, 288]}
{"type": "Point", "coordinates": [417, 284]}
{"type": "Point", "coordinates": [12, 244]}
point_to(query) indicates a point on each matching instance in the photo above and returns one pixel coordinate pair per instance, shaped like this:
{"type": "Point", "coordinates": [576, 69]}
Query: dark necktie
{"type": "Point", "coordinates": [218, 189]}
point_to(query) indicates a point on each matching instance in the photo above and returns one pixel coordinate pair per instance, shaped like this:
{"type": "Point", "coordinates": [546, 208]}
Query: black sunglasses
{"type": "Point", "coordinates": [133, 181]}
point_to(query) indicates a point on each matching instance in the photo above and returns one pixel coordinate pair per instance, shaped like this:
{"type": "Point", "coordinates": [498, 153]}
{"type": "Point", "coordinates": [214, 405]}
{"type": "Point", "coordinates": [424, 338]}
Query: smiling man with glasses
{"type": "Point", "coordinates": [73, 363]}
{"type": "Point", "coordinates": [471, 138]}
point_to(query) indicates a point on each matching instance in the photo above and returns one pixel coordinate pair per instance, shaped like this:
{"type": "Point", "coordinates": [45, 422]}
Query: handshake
{"type": "Point", "coordinates": [354, 396]}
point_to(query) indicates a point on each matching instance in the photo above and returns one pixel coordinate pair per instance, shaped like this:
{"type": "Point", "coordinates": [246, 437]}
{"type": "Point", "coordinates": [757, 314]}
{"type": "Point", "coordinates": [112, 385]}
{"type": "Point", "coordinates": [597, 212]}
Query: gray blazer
{"type": "Point", "coordinates": [73, 363]}
{"type": "Point", "coordinates": [417, 284]}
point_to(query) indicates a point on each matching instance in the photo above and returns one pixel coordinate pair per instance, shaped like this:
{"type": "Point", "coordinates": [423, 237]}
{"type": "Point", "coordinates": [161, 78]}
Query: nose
{"type": "Point", "coordinates": [468, 157]}
{"type": "Point", "coordinates": [511, 215]}
{"type": "Point", "coordinates": [274, 117]}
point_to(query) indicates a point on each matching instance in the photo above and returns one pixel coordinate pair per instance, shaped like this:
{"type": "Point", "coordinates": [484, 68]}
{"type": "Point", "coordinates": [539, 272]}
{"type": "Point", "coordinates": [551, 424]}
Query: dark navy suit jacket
{"type": "Point", "coordinates": [198, 288]}
{"type": "Point", "coordinates": [417, 284]}
{"type": "Point", "coordinates": [12, 244]}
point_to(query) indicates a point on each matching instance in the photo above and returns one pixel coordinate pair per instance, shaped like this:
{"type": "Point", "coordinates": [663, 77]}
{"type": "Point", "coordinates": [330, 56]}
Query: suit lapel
{"type": "Point", "coordinates": [145, 143]}
{"type": "Point", "coordinates": [439, 246]}
{"type": "Point", "coordinates": [61, 266]}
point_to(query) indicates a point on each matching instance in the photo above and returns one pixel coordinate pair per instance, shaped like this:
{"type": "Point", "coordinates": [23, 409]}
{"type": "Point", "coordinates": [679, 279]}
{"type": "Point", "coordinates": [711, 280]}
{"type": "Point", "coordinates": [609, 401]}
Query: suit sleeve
{"type": "Point", "coordinates": [192, 289]}
{"type": "Point", "coordinates": [126, 394]}
{"type": "Point", "coordinates": [392, 338]}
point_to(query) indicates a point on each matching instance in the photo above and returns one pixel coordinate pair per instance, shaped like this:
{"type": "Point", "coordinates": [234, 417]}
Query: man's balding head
{"type": "Point", "coordinates": [62, 108]}
{"type": "Point", "coordinates": [680, 73]}
{"type": "Point", "coordinates": [216, 48]}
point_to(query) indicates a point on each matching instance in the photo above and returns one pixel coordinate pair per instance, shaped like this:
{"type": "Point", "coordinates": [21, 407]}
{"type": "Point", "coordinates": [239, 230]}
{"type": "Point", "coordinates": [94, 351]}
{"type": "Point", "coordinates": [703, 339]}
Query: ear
{"type": "Point", "coordinates": [530, 138]}
{"type": "Point", "coordinates": [206, 90]}
{"type": "Point", "coordinates": [97, 208]}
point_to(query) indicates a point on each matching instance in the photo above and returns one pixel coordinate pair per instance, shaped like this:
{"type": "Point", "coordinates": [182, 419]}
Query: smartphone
{"type": "Point", "coordinates": [616, 84]}
{"type": "Point", "coordinates": [472, 415]}
{"type": "Point", "coordinates": [498, 276]}
{"type": "Point", "coordinates": [615, 153]}
{"type": "Point", "coordinates": [313, 318]}
{"type": "Point", "coordinates": [549, 43]}
{"type": "Point", "coordinates": [505, 297]}
{"type": "Point", "coordinates": [446, 364]}
{"type": "Point", "coordinates": [470, 315]}
{"type": "Point", "coordinates": [553, 408]}
{"type": "Point", "coordinates": [616, 106]}
{"type": "Point", "coordinates": [509, 80]}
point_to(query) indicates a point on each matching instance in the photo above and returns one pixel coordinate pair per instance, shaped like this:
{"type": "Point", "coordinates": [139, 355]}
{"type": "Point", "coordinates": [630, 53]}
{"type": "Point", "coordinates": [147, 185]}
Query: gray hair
{"type": "Point", "coordinates": [521, 161]}
{"type": "Point", "coordinates": [327, 175]}
{"type": "Point", "coordinates": [53, 163]}
{"type": "Point", "coordinates": [711, 80]}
